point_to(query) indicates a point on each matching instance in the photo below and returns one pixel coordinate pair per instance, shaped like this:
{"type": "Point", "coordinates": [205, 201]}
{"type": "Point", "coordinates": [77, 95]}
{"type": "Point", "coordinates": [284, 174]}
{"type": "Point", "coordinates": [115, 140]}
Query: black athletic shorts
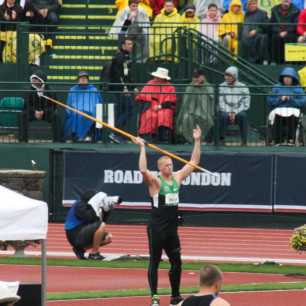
{"type": "Point", "coordinates": [168, 241]}
{"type": "Point", "coordinates": [82, 236]}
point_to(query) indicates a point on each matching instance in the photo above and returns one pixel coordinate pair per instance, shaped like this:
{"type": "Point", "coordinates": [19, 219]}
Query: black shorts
{"type": "Point", "coordinates": [168, 241]}
{"type": "Point", "coordinates": [82, 236]}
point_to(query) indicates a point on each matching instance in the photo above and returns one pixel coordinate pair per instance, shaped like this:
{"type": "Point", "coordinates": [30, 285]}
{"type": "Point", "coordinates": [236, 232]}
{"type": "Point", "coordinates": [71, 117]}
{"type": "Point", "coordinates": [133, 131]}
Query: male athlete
{"type": "Point", "coordinates": [162, 227]}
{"type": "Point", "coordinates": [211, 280]}
{"type": "Point", "coordinates": [86, 223]}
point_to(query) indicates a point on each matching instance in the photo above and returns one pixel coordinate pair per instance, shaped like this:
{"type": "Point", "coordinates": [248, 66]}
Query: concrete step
{"type": "Point", "coordinates": [84, 50]}
{"type": "Point", "coordinates": [69, 77]}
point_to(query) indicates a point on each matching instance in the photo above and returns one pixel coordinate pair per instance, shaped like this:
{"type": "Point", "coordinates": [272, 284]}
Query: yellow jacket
{"type": "Point", "coordinates": [302, 74]}
{"type": "Point", "coordinates": [161, 40]}
{"type": "Point", "coordinates": [36, 47]}
{"type": "Point", "coordinates": [194, 22]}
{"type": "Point", "coordinates": [232, 19]}
{"type": "Point", "coordinates": [144, 4]}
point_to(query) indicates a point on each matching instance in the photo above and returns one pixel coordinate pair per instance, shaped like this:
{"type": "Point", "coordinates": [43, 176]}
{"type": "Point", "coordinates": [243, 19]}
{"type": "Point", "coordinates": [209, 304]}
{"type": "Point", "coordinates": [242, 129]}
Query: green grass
{"type": "Point", "coordinates": [140, 264]}
{"type": "Point", "coordinates": [163, 291]}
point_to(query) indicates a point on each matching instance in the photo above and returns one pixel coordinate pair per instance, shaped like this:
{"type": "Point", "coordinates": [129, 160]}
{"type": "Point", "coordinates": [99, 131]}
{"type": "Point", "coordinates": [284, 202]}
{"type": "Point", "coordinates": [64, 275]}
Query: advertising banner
{"type": "Point", "coordinates": [241, 181]}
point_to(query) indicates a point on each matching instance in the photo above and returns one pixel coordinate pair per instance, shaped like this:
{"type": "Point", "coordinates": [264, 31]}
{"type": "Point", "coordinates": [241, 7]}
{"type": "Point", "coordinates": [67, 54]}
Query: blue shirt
{"type": "Point", "coordinates": [72, 221]}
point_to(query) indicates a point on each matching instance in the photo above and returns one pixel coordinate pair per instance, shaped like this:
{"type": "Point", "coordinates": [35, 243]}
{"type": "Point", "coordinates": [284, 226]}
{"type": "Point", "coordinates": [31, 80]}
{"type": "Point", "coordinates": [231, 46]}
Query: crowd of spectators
{"type": "Point", "coordinates": [38, 13]}
{"type": "Point", "coordinates": [243, 27]}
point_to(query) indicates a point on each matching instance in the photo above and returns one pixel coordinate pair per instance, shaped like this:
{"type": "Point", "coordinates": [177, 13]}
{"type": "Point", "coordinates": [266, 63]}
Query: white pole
{"type": "Point", "coordinates": [43, 268]}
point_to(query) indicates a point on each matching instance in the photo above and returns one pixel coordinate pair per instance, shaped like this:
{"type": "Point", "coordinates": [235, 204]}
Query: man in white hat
{"type": "Point", "coordinates": [158, 103]}
{"type": "Point", "coordinates": [8, 294]}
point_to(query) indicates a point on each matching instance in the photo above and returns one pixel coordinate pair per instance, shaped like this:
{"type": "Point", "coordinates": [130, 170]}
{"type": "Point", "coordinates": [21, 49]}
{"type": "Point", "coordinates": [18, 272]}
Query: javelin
{"type": "Point", "coordinates": [128, 135]}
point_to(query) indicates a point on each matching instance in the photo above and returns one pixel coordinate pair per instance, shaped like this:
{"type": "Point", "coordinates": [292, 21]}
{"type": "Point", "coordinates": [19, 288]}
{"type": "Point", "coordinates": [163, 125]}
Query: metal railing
{"type": "Point", "coordinates": [31, 119]}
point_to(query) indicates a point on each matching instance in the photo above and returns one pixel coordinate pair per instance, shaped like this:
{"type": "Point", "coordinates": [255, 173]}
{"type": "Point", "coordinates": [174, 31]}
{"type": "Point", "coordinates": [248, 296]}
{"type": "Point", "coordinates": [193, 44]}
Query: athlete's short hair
{"type": "Point", "coordinates": [162, 159]}
{"type": "Point", "coordinates": [210, 275]}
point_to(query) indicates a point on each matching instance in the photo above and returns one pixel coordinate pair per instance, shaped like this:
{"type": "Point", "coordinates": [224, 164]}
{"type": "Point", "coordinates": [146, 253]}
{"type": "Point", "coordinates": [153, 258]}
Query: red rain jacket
{"type": "Point", "coordinates": [150, 120]}
{"type": "Point", "coordinates": [157, 5]}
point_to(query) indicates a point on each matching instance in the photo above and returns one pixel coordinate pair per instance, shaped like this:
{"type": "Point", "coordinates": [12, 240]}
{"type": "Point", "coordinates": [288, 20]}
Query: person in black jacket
{"type": "Point", "coordinates": [120, 78]}
{"type": "Point", "coordinates": [254, 35]}
{"type": "Point", "coordinates": [85, 224]}
{"type": "Point", "coordinates": [10, 11]}
{"type": "Point", "coordinates": [39, 108]}
{"type": "Point", "coordinates": [42, 11]}
{"type": "Point", "coordinates": [284, 17]}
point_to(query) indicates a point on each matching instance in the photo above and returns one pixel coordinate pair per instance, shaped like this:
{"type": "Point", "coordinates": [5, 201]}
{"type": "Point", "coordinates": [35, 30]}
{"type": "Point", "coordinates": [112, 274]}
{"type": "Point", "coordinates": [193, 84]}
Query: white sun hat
{"type": "Point", "coordinates": [8, 292]}
{"type": "Point", "coordinates": [161, 73]}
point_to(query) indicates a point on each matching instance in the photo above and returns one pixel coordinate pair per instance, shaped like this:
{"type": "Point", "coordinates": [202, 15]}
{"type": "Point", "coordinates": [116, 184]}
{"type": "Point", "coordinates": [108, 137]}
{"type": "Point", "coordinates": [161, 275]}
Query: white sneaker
{"type": "Point", "coordinates": [155, 300]}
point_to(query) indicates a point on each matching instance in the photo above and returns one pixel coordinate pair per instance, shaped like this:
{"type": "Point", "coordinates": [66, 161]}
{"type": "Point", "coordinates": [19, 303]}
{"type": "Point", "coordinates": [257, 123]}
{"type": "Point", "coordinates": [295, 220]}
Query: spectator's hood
{"type": "Point", "coordinates": [38, 79]}
{"type": "Point", "coordinates": [291, 72]}
{"type": "Point", "coordinates": [232, 70]}
{"type": "Point", "coordinates": [235, 2]}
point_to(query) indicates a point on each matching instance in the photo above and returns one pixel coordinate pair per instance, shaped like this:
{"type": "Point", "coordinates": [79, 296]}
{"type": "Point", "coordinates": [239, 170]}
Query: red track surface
{"type": "Point", "coordinates": [231, 243]}
{"type": "Point", "coordinates": [269, 298]}
{"type": "Point", "coordinates": [64, 279]}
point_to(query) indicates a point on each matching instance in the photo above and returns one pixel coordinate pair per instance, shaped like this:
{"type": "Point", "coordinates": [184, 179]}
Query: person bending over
{"type": "Point", "coordinates": [85, 224]}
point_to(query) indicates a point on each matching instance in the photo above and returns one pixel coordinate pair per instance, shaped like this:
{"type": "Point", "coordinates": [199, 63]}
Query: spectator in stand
{"type": "Point", "coordinates": [37, 108]}
{"type": "Point", "coordinates": [157, 102]}
{"type": "Point", "coordinates": [121, 77]}
{"type": "Point", "coordinates": [302, 74]}
{"type": "Point", "coordinates": [228, 30]}
{"type": "Point", "coordinates": [268, 5]}
{"type": "Point", "coordinates": [37, 47]}
{"type": "Point", "coordinates": [197, 107]}
{"type": "Point", "coordinates": [165, 24]}
{"type": "Point", "coordinates": [134, 23]}
{"type": "Point", "coordinates": [10, 11]}
{"type": "Point", "coordinates": [285, 101]}
{"type": "Point", "coordinates": [234, 101]}
{"type": "Point", "coordinates": [284, 18]}
{"type": "Point", "coordinates": [83, 97]}
{"type": "Point", "coordinates": [202, 6]}
{"type": "Point", "coordinates": [158, 5]}
{"type": "Point", "coordinates": [301, 28]}
{"type": "Point", "coordinates": [189, 17]}
{"type": "Point", "coordinates": [254, 39]}
{"type": "Point", "coordinates": [210, 22]}
{"type": "Point", "coordinates": [42, 11]}
{"type": "Point", "coordinates": [143, 4]}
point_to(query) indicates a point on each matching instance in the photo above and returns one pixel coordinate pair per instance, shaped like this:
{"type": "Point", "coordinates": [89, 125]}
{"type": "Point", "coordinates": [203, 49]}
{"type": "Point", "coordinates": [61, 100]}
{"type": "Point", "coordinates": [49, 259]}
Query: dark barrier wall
{"type": "Point", "coordinates": [241, 181]}
{"type": "Point", "coordinates": [290, 181]}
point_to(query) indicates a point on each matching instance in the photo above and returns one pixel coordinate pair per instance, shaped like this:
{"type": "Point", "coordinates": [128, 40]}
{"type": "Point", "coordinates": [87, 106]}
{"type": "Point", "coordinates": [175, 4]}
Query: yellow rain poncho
{"type": "Point", "coordinates": [193, 23]}
{"type": "Point", "coordinates": [144, 4]}
{"type": "Point", "coordinates": [302, 74]}
{"type": "Point", "coordinates": [36, 47]}
{"type": "Point", "coordinates": [162, 40]}
{"type": "Point", "coordinates": [229, 24]}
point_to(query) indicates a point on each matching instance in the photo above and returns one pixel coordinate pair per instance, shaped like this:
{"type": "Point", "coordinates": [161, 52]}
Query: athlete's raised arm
{"type": "Point", "coordinates": [150, 179]}
{"type": "Point", "coordinates": [195, 157]}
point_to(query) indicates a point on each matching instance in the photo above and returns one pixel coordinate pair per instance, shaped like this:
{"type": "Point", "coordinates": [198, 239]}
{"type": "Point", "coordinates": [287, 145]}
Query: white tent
{"type": "Point", "coordinates": [23, 218]}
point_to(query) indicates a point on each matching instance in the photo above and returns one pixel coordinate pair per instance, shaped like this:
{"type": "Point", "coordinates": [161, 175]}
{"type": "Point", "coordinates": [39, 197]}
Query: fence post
{"type": "Point", "coordinates": [22, 51]}
{"type": "Point", "coordinates": [216, 118]}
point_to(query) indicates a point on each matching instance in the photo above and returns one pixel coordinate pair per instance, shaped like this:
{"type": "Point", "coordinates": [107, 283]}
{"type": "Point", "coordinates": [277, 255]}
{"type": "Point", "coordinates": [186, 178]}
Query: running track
{"type": "Point", "coordinates": [198, 243]}
{"type": "Point", "coordinates": [269, 298]}
{"type": "Point", "coordinates": [64, 279]}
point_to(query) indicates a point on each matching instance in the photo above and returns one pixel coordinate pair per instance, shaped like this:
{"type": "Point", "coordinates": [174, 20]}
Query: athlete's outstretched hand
{"type": "Point", "coordinates": [138, 141]}
{"type": "Point", "coordinates": [197, 133]}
